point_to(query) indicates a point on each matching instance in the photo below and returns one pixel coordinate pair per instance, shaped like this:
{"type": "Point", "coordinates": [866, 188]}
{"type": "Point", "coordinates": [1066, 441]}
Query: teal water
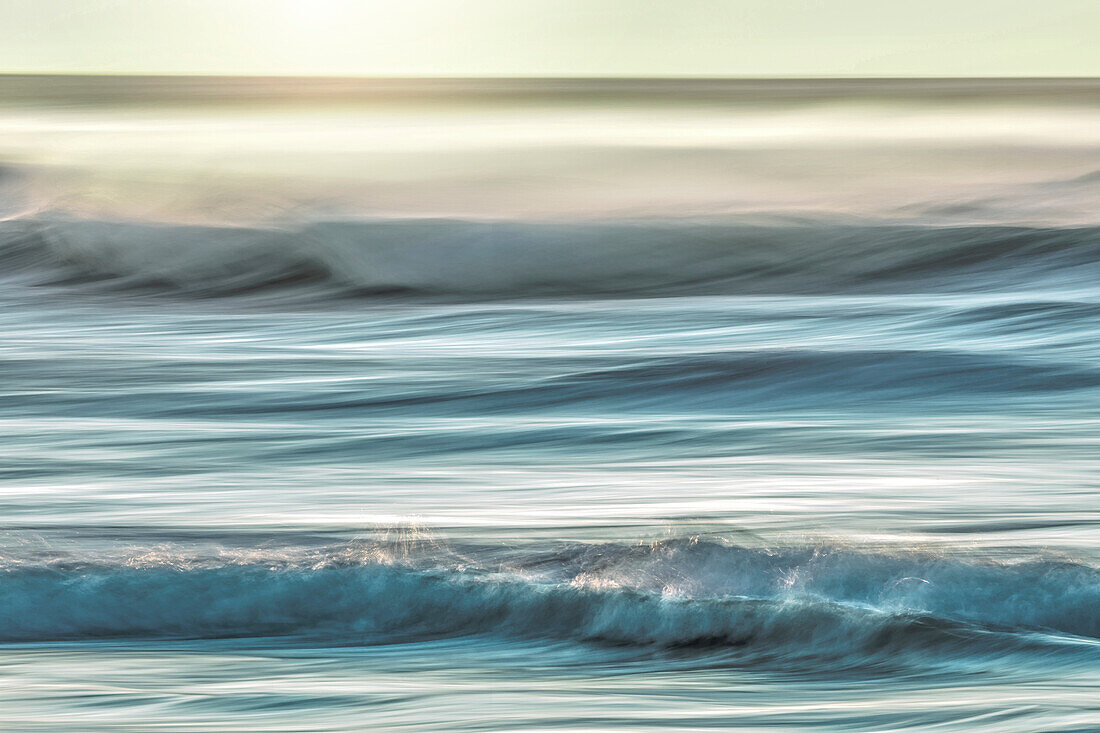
{"type": "Point", "coordinates": [567, 406]}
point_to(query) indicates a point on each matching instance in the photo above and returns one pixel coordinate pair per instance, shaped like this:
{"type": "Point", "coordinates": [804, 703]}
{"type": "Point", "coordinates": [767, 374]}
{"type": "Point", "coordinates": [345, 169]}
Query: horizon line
{"type": "Point", "coordinates": [549, 77]}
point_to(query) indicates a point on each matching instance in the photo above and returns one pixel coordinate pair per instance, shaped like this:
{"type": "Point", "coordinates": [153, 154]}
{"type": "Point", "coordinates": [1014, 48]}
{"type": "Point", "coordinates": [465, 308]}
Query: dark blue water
{"type": "Point", "coordinates": [731, 409]}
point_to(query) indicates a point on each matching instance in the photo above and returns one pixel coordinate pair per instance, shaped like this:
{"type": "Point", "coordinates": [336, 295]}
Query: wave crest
{"type": "Point", "coordinates": [781, 604]}
{"type": "Point", "coordinates": [461, 258]}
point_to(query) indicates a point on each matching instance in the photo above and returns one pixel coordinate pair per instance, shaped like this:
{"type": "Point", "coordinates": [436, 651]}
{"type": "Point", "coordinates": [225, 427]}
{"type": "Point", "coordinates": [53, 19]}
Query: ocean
{"type": "Point", "coordinates": [549, 405]}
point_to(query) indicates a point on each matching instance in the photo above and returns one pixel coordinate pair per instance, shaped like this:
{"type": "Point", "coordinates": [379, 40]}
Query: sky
{"type": "Point", "coordinates": [553, 37]}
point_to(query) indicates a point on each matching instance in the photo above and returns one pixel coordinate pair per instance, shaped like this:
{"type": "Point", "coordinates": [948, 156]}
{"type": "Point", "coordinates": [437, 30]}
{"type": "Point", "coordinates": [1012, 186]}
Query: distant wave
{"type": "Point", "coordinates": [776, 604]}
{"type": "Point", "coordinates": [466, 259]}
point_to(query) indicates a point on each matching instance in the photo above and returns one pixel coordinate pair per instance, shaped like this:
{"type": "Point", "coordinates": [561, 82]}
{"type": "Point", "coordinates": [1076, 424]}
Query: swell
{"type": "Point", "coordinates": [700, 384]}
{"type": "Point", "coordinates": [465, 258]}
{"type": "Point", "coordinates": [780, 376]}
{"type": "Point", "coordinates": [777, 604]}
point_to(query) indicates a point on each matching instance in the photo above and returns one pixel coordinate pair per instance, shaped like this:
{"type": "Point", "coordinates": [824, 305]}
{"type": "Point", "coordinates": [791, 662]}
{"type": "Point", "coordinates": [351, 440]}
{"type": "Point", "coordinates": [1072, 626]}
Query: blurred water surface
{"type": "Point", "coordinates": [453, 405]}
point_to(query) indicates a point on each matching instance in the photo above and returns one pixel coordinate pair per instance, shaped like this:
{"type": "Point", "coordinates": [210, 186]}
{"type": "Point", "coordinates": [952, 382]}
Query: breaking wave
{"type": "Point", "coordinates": [781, 604]}
{"type": "Point", "coordinates": [465, 258]}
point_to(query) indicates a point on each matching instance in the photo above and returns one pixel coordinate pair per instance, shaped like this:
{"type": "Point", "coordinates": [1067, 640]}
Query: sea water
{"type": "Point", "coordinates": [341, 405]}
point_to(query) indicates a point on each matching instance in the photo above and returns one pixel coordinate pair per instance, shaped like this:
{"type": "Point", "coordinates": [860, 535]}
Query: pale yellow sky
{"type": "Point", "coordinates": [554, 37]}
